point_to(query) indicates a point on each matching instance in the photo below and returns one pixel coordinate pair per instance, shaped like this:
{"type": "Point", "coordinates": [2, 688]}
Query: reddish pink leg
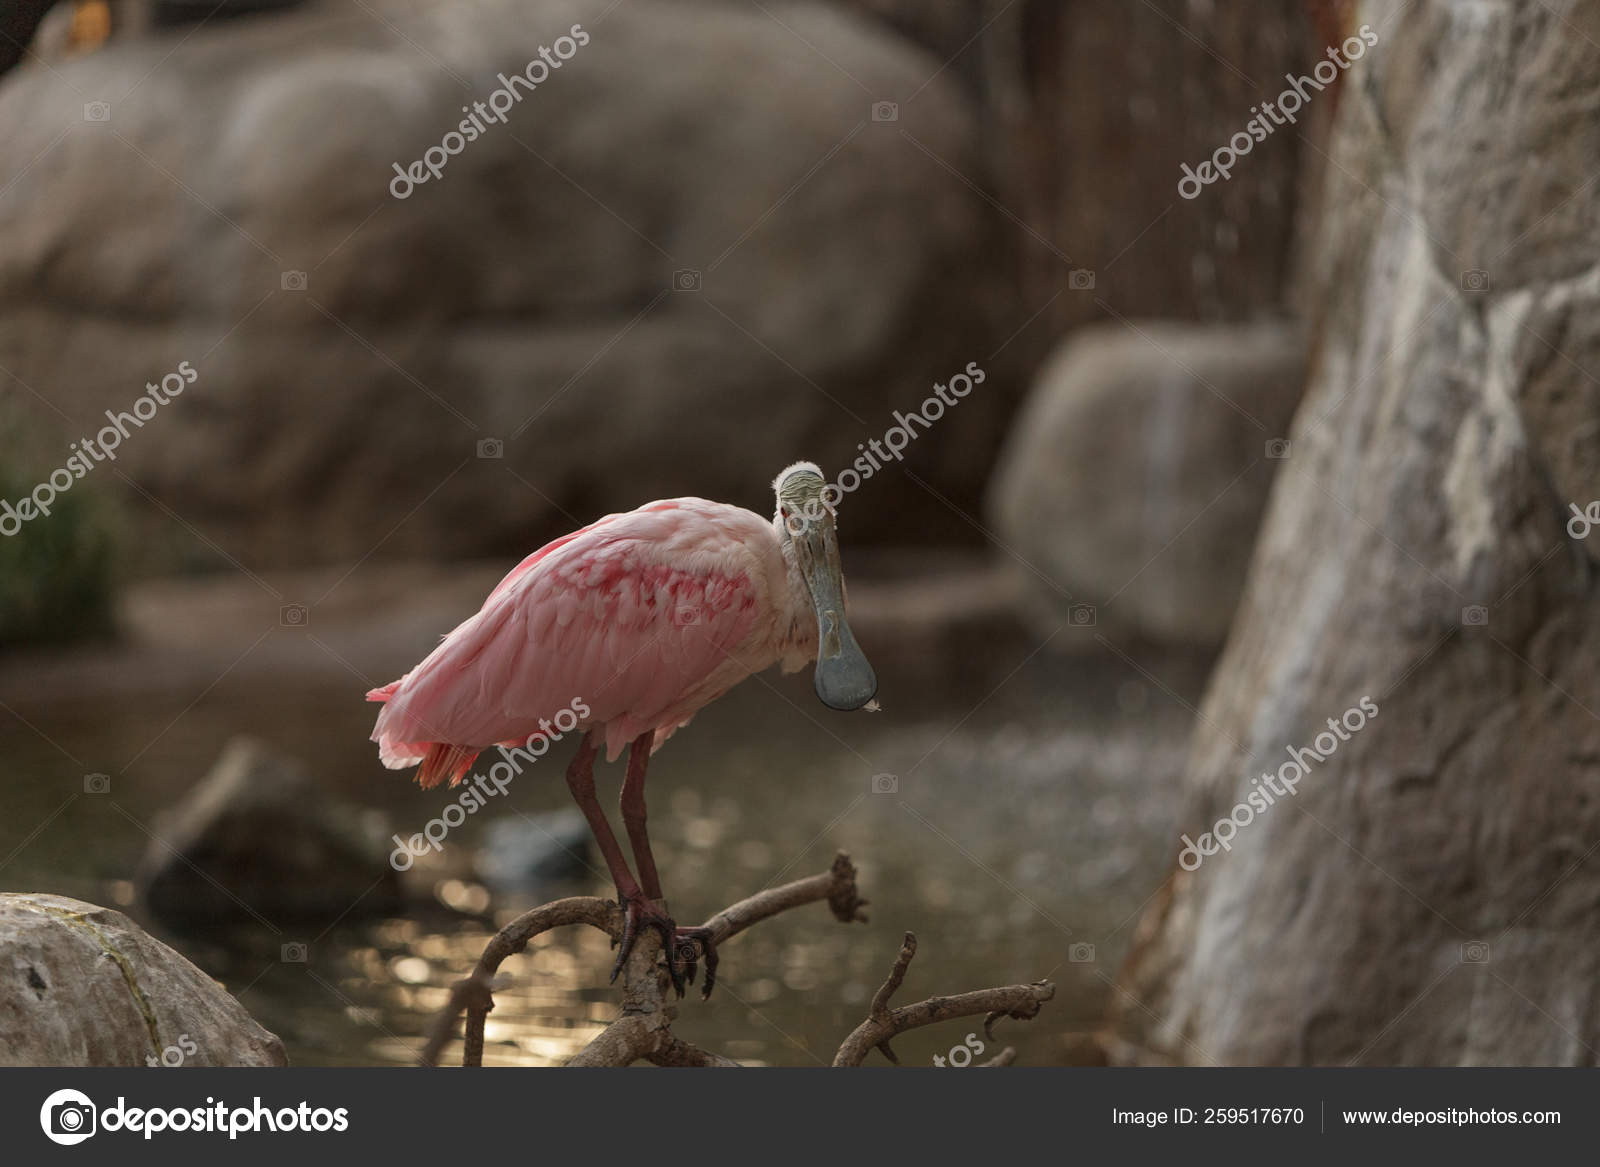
{"type": "Point", "coordinates": [633, 813]}
{"type": "Point", "coordinates": [681, 954]}
{"type": "Point", "coordinates": [580, 780]}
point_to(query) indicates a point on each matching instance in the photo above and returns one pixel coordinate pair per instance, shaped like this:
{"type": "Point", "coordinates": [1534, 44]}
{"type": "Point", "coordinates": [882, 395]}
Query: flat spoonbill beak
{"type": "Point", "coordinates": [844, 679]}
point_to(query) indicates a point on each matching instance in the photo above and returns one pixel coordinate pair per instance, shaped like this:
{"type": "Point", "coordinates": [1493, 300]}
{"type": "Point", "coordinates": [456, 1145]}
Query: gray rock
{"type": "Point", "coordinates": [1429, 898]}
{"type": "Point", "coordinates": [530, 296]}
{"type": "Point", "coordinates": [533, 852]}
{"type": "Point", "coordinates": [1136, 474]}
{"type": "Point", "coordinates": [256, 840]}
{"type": "Point", "coordinates": [82, 985]}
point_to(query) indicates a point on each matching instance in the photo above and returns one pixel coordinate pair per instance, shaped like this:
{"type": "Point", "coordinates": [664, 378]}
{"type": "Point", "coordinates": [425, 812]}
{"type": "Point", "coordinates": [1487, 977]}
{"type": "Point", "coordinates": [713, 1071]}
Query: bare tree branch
{"type": "Point", "coordinates": [674, 1051]}
{"type": "Point", "coordinates": [475, 993]}
{"type": "Point", "coordinates": [627, 1039]}
{"type": "Point", "coordinates": [641, 1031]}
{"type": "Point", "coordinates": [879, 1010]}
{"type": "Point", "coordinates": [837, 885]}
{"type": "Point", "coordinates": [883, 1023]}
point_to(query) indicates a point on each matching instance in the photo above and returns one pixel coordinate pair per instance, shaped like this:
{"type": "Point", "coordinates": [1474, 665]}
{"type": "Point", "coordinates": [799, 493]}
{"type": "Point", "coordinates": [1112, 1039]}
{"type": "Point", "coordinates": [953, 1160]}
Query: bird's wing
{"type": "Point", "coordinates": [622, 618]}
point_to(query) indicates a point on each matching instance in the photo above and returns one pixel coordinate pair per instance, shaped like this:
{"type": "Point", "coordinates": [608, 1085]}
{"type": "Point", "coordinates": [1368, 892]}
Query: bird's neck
{"type": "Point", "coordinates": [796, 627]}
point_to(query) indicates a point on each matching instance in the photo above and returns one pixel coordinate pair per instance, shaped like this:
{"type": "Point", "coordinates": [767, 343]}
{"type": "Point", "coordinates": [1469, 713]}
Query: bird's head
{"type": "Point", "coordinates": [844, 679]}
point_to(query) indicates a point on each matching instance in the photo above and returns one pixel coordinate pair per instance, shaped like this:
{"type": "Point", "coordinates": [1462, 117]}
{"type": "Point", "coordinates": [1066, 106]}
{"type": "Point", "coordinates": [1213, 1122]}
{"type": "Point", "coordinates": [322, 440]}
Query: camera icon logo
{"type": "Point", "coordinates": [97, 783]}
{"type": "Point", "coordinates": [686, 280]}
{"type": "Point", "coordinates": [1475, 280]}
{"type": "Point", "coordinates": [885, 784]}
{"type": "Point", "coordinates": [293, 281]}
{"type": "Point", "coordinates": [293, 615]}
{"type": "Point", "coordinates": [68, 1117]}
{"type": "Point", "coordinates": [885, 111]}
{"type": "Point", "coordinates": [1278, 448]}
{"type": "Point", "coordinates": [295, 952]}
{"type": "Point", "coordinates": [1475, 952]}
{"type": "Point", "coordinates": [1474, 615]}
{"type": "Point", "coordinates": [97, 111]}
{"type": "Point", "coordinates": [685, 616]}
{"type": "Point", "coordinates": [1083, 615]}
{"type": "Point", "coordinates": [1081, 953]}
{"type": "Point", "coordinates": [1080, 279]}
{"type": "Point", "coordinates": [490, 448]}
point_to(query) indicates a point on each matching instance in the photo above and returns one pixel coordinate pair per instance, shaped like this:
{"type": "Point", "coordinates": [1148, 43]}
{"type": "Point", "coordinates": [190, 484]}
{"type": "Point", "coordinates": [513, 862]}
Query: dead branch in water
{"type": "Point", "coordinates": [643, 1031]}
{"type": "Point", "coordinates": [884, 1023]}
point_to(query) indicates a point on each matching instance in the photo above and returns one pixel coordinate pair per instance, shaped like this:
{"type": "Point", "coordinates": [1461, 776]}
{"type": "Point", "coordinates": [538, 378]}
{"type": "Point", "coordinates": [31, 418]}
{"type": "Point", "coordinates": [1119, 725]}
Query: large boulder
{"type": "Point", "coordinates": [690, 256]}
{"type": "Point", "coordinates": [1427, 896]}
{"type": "Point", "coordinates": [1136, 474]}
{"type": "Point", "coordinates": [256, 839]}
{"type": "Point", "coordinates": [82, 985]}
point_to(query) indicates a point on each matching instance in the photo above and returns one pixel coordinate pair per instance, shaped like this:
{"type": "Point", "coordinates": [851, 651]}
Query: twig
{"type": "Point", "coordinates": [837, 885]}
{"type": "Point", "coordinates": [897, 975]}
{"type": "Point", "coordinates": [1019, 1001]}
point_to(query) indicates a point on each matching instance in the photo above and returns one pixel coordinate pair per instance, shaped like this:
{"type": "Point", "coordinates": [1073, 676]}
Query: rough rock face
{"type": "Point", "coordinates": [1135, 476]}
{"type": "Point", "coordinates": [1088, 110]}
{"type": "Point", "coordinates": [638, 285]}
{"type": "Point", "coordinates": [255, 839]}
{"type": "Point", "coordinates": [82, 985]}
{"type": "Point", "coordinates": [1428, 894]}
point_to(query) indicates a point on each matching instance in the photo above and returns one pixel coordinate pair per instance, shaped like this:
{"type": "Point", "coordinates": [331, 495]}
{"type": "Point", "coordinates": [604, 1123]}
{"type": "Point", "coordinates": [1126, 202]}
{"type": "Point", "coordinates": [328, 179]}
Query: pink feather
{"type": "Point", "coordinates": [642, 618]}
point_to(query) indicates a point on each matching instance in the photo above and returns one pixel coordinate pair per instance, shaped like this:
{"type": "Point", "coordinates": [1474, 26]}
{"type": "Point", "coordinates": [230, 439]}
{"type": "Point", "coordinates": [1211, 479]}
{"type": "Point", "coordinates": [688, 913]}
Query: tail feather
{"type": "Point", "coordinates": [440, 761]}
{"type": "Point", "coordinates": [444, 762]}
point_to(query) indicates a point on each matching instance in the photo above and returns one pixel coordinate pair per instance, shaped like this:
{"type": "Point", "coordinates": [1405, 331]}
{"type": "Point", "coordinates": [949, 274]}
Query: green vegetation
{"type": "Point", "coordinates": [56, 571]}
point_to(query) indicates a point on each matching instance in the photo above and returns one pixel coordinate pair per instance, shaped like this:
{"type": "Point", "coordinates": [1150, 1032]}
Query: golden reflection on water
{"type": "Point", "coordinates": [538, 1018]}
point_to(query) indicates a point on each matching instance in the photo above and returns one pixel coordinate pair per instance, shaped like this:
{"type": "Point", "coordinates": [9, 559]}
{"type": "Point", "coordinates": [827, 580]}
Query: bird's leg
{"type": "Point", "coordinates": [580, 780]}
{"type": "Point", "coordinates": [633, 818]}
{"type": "Point", "coordinates": [633, 813]}
{"type": "Point", "coordinates": [681, 955]}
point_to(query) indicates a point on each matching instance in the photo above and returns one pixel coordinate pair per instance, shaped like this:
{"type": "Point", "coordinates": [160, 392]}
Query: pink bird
{"type": "Point", "coordinates": [632, 625]}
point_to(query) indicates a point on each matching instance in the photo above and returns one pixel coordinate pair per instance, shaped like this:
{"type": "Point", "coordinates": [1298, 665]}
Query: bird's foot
{"type": "Point", "coordinates": [685, 954]}
{"type": "Point", "coordinates": [638, 914]}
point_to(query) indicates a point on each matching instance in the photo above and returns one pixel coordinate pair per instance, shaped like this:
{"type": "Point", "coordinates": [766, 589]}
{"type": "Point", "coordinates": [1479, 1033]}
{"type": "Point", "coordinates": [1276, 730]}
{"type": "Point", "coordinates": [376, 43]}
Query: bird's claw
{"type": "Point", "coordinates": [684, 951]}
{"type": "Point", "coordinates": [677, 944]}
{"type": "Point", "coordinates": [636, 916]}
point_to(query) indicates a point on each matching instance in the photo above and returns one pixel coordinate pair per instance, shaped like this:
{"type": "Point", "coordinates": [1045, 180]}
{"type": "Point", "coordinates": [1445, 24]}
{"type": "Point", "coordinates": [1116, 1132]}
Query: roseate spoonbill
{"type": "Point", "coordinates": [641, 619]}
